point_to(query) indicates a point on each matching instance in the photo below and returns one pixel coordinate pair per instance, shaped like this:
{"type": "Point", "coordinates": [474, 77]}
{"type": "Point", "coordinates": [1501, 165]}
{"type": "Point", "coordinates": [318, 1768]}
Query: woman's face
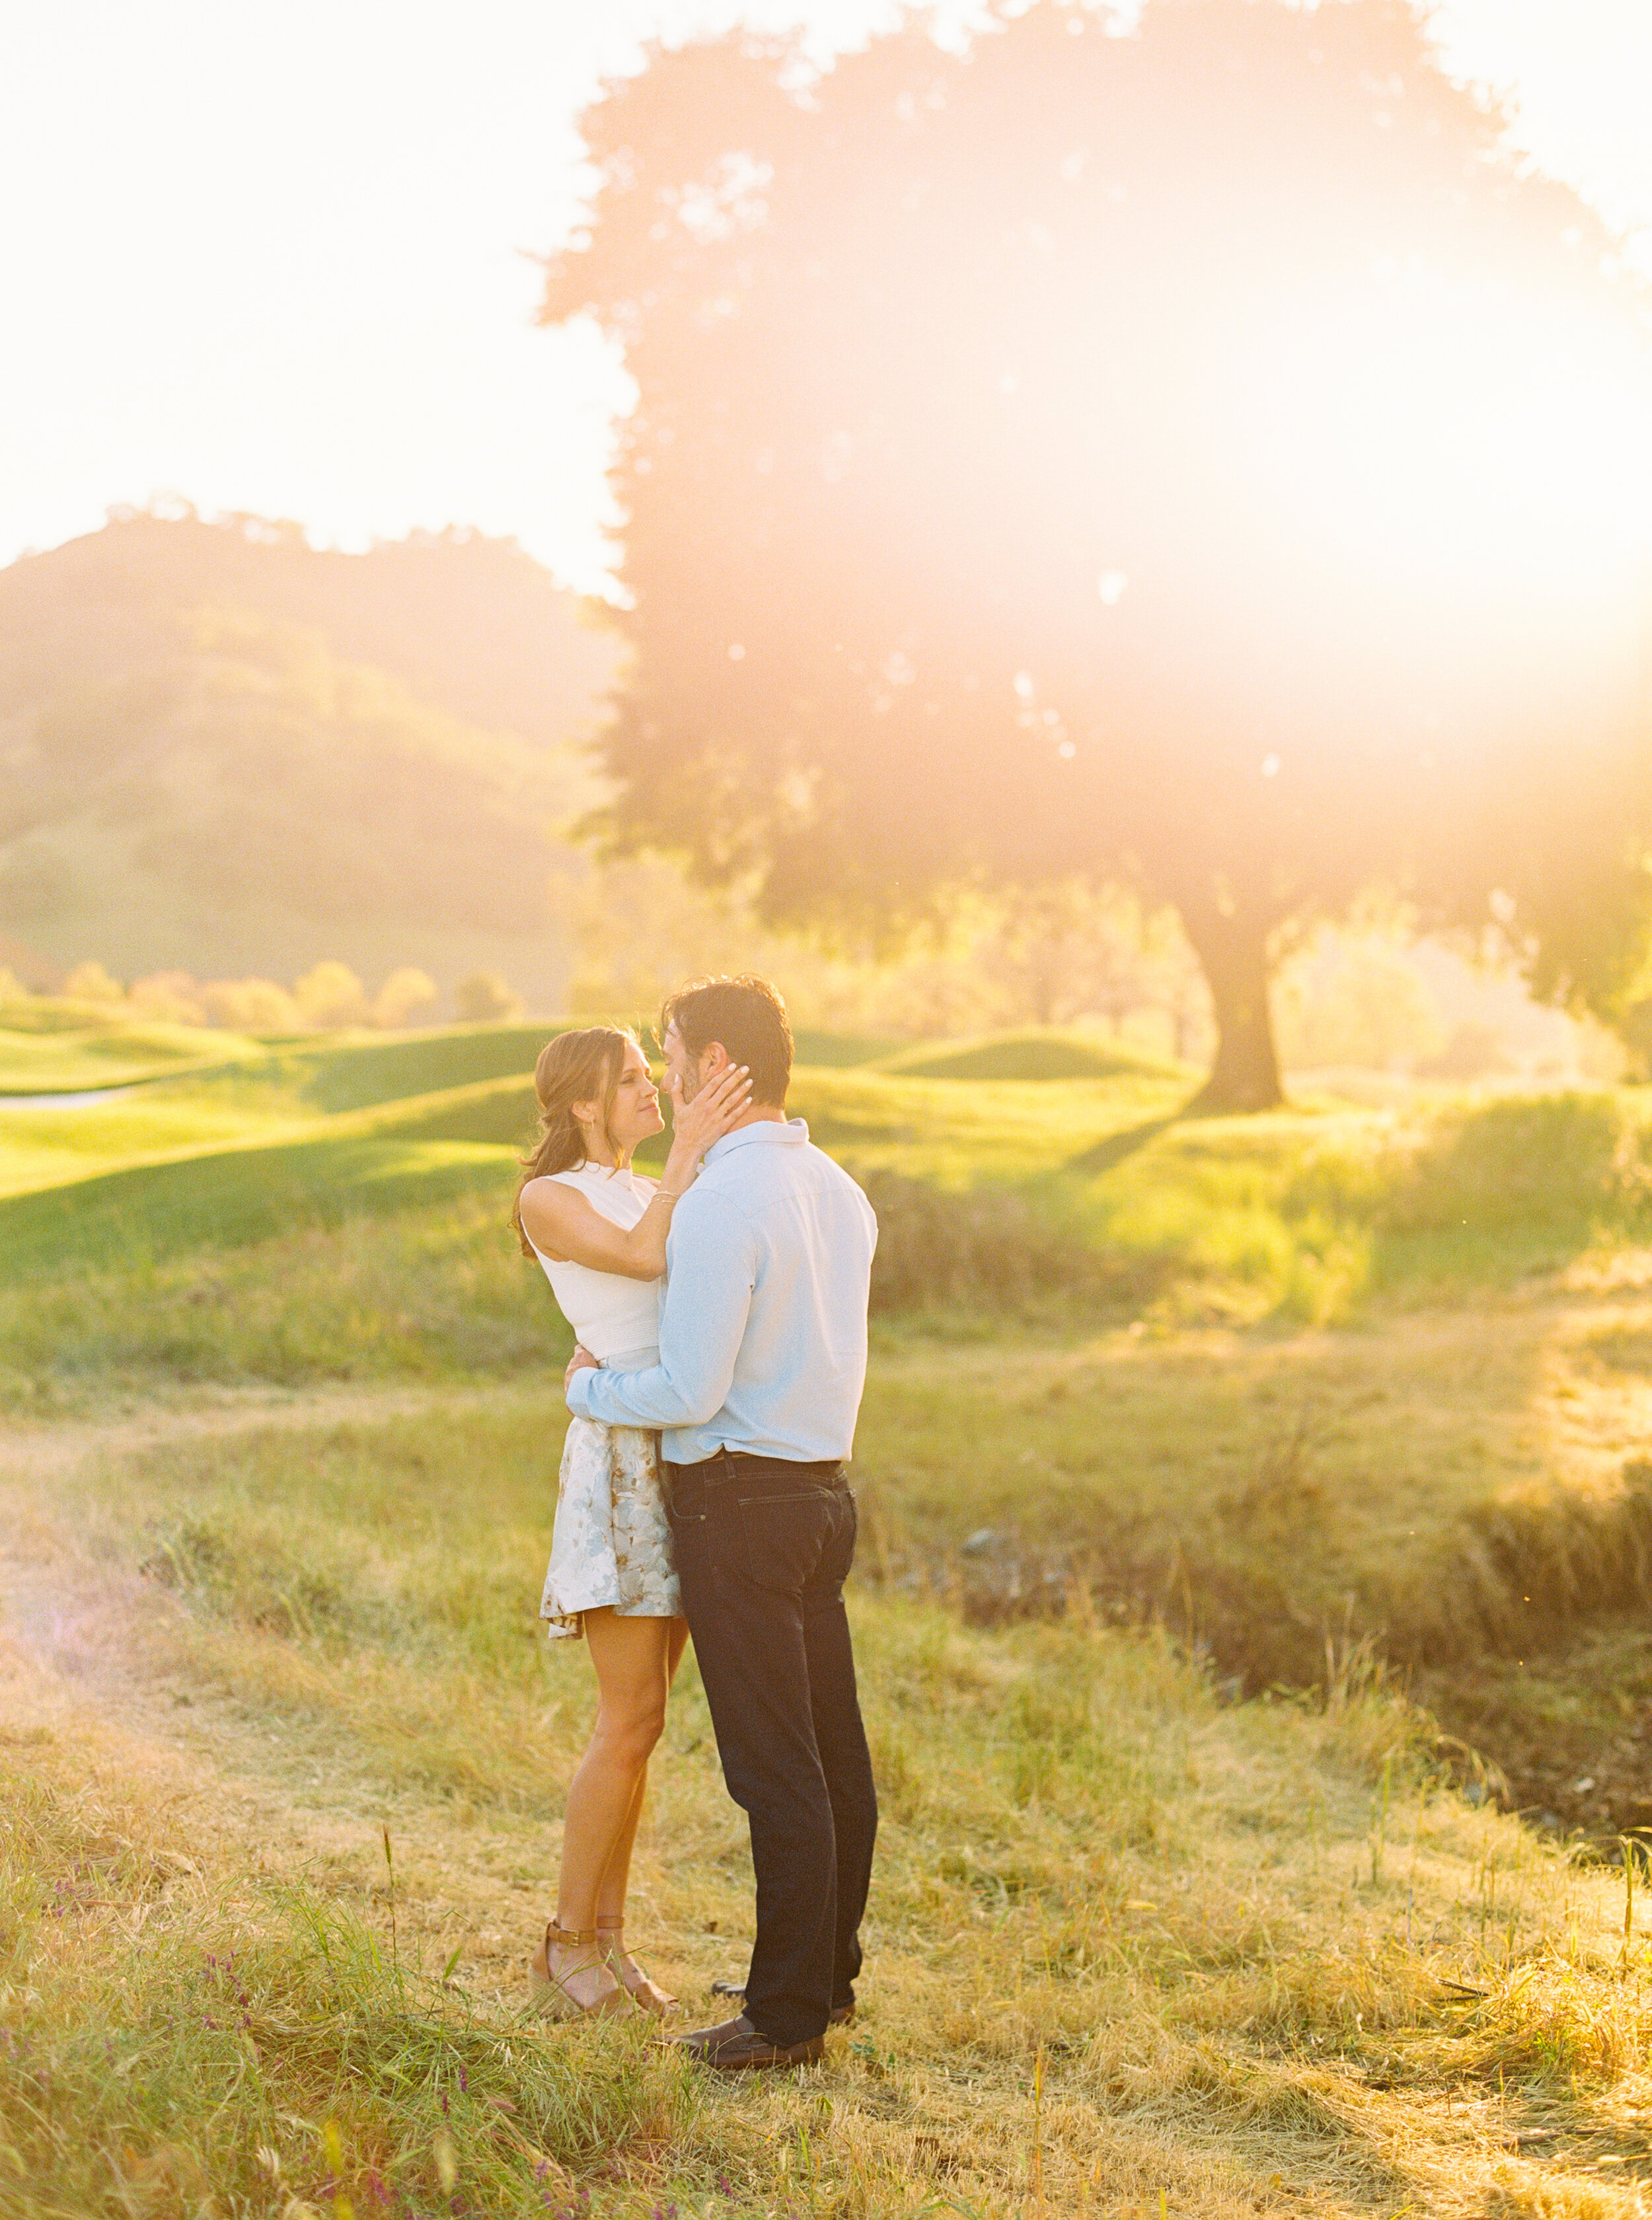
{"type": "Point", "coordinates": [636, 1111]}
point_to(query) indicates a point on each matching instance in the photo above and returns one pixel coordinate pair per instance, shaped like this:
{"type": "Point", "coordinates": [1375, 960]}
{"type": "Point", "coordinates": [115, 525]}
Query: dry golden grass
{"type": "Point", "coordinates": [1444, 1480]}
{"type": "Point", "coordinates": [1131, 1952]}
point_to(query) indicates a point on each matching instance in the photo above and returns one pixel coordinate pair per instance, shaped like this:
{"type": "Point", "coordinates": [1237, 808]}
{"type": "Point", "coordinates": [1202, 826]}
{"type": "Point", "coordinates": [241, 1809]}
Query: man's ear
{"type": "Point", "coordinates": [713, 1058]}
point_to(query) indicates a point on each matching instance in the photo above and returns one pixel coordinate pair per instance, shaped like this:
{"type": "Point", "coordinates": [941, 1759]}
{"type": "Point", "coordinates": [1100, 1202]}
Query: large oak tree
{"type": "Point", "coordinates": [1192, 458]}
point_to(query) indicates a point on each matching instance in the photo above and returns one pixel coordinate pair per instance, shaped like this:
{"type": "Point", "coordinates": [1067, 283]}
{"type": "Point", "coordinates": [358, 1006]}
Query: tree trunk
{"type": "Point", "coordinates": [1232, 945]}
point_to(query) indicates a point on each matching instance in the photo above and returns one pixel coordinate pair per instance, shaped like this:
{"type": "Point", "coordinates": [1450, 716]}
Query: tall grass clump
{"type": "Point", "coordinates": [1524, 1183]}
{"type": "Point", "coordinates": [1552, 2021]}
{"type": "Point", "coordinates": [986, 1249]}
{"type": "Point", "coordinates": [167, 2050]}
{"type": "Point", "coordinates": [1307, 1215]}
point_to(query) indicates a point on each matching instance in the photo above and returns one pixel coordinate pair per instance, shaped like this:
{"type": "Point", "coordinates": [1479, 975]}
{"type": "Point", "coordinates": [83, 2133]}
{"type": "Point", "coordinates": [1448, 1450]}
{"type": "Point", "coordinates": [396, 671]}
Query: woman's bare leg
{"type": "Point", "coordinates": [630, 1657]}
{"type": "Point", "coordinates": [616, 1877]}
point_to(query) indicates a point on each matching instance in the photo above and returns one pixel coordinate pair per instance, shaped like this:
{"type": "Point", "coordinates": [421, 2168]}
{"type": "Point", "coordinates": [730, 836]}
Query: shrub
{"type": "Point", "coordinates": [167, 998]}
{"type": "Point", "coordinates": [90, 982]}
{"type": "Point", "coordinates": [408, 997]}
{"type": "Point", "coordinates": [983, 1248]}
{"type": "Point", "coordinates": [486, 998]}
{"type": "Point", "coordinates": [330, 994]}
{"type": "Point", "coordinates": [1558, 1162]}
{"type": "Point", "coordinates": [251, 1006]}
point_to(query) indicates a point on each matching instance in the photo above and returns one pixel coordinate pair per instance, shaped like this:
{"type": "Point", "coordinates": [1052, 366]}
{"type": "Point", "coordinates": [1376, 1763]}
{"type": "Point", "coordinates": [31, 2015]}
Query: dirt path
{"type": "Point", "coordinates": [41, 1451]}
{"type": "Point", "coordinates": [81, 1666]}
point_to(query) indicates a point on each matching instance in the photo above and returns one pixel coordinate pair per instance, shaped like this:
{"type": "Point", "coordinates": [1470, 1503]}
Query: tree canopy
{"type": "Point", "coordinates": [1194, 458]}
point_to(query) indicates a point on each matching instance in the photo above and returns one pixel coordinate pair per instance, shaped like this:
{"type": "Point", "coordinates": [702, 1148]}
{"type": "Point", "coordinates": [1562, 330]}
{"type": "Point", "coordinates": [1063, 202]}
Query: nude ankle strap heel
{"type": "Point", "coordinates": [636, 1983]}
{"type": "Point", "coordinates": [554, 1996]}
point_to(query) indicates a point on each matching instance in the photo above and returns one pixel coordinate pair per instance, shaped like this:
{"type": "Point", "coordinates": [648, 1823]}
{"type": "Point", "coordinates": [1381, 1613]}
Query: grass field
{"type": "Point", "coordinates": [1251, 1510]}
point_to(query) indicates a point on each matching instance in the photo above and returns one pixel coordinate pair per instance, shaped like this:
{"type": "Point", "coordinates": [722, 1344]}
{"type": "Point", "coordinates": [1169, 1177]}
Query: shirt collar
{"type": "Point", "coordinates": [794, 1133]}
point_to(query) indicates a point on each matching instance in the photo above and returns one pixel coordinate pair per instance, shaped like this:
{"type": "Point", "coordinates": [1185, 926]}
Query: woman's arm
{"type": "Point", "coordinates": [563, 1224]}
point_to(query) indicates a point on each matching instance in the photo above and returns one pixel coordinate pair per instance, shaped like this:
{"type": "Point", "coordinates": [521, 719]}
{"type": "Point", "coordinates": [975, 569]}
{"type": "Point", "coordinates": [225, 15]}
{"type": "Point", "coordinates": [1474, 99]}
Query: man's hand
{"type": "Point", "coordinates": [580, 1361]}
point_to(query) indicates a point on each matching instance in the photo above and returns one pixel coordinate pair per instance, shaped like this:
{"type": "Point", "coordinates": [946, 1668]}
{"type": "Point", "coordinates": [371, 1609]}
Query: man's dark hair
{"type": "Point", "coordinates": [748, 1017]}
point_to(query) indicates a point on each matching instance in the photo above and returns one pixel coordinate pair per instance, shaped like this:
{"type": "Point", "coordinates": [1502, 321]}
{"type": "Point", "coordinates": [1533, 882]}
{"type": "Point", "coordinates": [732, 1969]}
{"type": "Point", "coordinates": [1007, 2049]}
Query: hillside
{"type": "Point", "coordinates": [472, 626]}
{"type": "Point", "coordinates": [230, 754]}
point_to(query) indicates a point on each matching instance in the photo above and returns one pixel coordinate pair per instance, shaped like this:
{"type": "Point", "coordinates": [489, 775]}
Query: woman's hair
{"type": "Point", "coordinates": [576, 1067]}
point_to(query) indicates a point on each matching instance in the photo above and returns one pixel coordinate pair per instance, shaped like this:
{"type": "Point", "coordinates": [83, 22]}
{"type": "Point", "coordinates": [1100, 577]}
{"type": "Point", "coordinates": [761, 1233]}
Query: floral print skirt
{"type": "Point", "coordinates": [611, 1545]}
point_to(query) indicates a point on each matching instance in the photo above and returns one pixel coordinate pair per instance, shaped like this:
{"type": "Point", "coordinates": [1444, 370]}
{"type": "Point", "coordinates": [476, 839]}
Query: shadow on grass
{"type": "Point", "coordinates": [359, 1075]}
{"type": "Point", "coordinates": [1113, 1148]}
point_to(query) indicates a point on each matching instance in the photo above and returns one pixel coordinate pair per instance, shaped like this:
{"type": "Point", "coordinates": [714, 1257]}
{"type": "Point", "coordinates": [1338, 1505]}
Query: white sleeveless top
{"type": "Point", "coordinates": [617, 1318]}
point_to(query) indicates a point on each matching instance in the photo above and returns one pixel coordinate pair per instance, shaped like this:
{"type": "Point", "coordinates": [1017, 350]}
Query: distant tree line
{"type": "Point", "coordinates": [328, 997]}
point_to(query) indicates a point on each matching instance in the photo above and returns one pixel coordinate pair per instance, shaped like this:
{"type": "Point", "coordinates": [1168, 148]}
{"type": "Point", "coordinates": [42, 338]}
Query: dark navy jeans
{"type": "Point", "coordinates": [763, 1547]}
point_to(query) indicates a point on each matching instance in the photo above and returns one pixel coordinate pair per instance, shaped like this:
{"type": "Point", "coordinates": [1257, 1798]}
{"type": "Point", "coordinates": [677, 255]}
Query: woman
{"type": "Point", "coordinates": [599, 1231]}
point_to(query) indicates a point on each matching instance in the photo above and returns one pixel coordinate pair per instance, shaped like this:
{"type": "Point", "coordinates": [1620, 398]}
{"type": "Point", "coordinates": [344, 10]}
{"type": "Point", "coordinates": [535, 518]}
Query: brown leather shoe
{"type": "Point", "coordinates": [839, 2015]}
{"type": "Point", "coordinates": [736, 2046]}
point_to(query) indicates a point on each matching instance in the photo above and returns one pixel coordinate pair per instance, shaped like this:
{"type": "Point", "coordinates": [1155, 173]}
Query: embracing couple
{"type": "Point", "coordinates": [720, 1315]}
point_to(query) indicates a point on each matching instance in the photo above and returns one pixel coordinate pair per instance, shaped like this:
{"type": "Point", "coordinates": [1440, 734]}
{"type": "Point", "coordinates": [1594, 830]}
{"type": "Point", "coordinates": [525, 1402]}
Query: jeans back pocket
{"type": "Point", "coordinates": [781, 1536]}
{"type": "Point", "coordinates": [686, 1499]}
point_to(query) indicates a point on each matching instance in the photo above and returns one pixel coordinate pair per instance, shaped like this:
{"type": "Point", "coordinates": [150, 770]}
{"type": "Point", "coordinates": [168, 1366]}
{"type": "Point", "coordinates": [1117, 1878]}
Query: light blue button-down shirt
{"type": "Point", "coordinates": [762, 1332]}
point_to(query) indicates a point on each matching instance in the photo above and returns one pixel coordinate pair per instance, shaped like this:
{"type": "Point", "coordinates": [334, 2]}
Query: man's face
{"type": "Point", "coordinates": [690, 1072]}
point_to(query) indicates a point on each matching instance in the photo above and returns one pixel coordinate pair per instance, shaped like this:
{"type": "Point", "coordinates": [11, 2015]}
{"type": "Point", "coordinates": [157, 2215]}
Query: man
{"type": "Point", "coordinates": [763, 1361]}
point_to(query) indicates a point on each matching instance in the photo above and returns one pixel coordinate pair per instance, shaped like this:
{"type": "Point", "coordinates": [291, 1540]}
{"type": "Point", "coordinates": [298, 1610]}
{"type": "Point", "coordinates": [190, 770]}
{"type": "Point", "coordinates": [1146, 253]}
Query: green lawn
{"type": "Point", "coordinates": [62, 1063]}
{"type": "Point", "coordinates": [1085, 1192]}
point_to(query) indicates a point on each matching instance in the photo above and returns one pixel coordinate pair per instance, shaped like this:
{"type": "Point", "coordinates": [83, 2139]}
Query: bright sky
{"type": "Point", "coordinates": [277, 258]}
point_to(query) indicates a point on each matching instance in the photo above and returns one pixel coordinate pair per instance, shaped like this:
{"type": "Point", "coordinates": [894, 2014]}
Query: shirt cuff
{"type": "Point", "coordinates": [577, 1393]}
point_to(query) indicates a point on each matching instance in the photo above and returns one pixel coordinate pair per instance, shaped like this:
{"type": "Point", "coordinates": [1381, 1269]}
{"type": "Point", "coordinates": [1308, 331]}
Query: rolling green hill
{"type": "Point", "coordinates": [356, 1072]}
{"type": "Point", "coordinates": [217, 1141]}
{"type": "Point", "coordinates": [1037, 1053]}
{"type": "Point", "coordinates": [236, 755]}
{"type": "Point", "coordinates": [97, 1056]}
{"type": "Point", "coordinates": [470, 626]}
{"type": "Point", "coordinates": [1308, 1213]}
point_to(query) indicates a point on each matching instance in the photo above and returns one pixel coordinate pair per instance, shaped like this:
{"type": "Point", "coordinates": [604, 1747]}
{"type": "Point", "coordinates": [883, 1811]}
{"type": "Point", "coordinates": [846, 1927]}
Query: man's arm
{"type": "Point", "coordinates": [708, 1296]}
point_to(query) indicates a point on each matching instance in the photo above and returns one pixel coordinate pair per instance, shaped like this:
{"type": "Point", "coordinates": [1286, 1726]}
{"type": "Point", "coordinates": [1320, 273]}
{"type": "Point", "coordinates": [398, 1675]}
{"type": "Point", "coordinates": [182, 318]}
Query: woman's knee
{"type": "Point", "coordinates": [630, 1730]}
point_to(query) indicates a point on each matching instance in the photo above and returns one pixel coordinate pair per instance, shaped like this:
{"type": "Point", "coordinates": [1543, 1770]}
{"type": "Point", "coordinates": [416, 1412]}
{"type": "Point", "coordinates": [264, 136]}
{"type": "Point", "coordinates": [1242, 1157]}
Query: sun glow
{"type": "Point", "coordinates": [1483, 436]}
